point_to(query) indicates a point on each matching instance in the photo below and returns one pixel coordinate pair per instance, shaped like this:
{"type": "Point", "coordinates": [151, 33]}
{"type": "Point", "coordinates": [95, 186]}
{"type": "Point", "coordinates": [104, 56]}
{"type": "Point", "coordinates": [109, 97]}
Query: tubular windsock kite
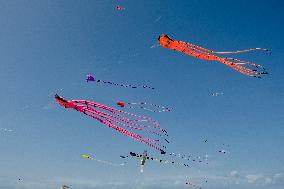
{"type": "Point", "coordinates": [145, 106]}
{"type": "Point", "coordinates": [112, 117]}
{"type": "Point", "coordinates": [205, 54]}
{"type": "Point", "coordinates": [89, 77]}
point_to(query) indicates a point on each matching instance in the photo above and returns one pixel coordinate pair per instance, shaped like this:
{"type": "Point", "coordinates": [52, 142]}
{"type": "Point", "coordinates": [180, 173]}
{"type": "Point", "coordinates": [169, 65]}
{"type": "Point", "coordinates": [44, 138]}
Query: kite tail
{"type": "Point", "coordinates": [111, 119]}
{"type": "Point", "coordinates": [114, 111]}
{"type": "Point", "coordinates": [127, 133]}
{"type": "Point", "coordinates": [257, 72]}
{"type": "Point", "coordinates": [102, 161]}
{"type": "Point", "coordinates": [241, 51]}
{"type": "Point", "coordinates": [122, 120]}
{"type": "Point", "coordinates": [156, 108]}
{"type": "Point", "coordinates": [127, 85]}
{"type": "Point", "coordinates": [198, 48]}
{"type": "Point", "coordinates": [237, 61]}
{"type": "Point", "coordinates": [107, 119]}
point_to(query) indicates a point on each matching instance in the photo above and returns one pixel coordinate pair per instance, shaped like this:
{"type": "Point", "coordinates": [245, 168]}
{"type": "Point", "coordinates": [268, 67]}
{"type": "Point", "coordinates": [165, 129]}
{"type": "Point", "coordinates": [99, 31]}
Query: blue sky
{"type": "Point", "coordinates": [49, 46]}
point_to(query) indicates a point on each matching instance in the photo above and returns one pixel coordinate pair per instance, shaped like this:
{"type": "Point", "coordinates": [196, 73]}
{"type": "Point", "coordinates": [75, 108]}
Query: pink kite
{"type": "Point", "coordinates": [112, 117]}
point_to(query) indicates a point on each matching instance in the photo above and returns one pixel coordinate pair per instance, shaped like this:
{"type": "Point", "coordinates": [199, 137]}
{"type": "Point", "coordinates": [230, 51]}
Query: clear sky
{"type": "Point", "coordinates": [49, 46]}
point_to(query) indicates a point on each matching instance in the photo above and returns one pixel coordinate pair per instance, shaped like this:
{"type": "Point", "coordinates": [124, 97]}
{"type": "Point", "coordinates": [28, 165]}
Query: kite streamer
{"type": "Point", "coordinates": [144, 105]}
{"type": "Point", "coordinates": [102, 161]}
{"type": "Point", "coordinates": [91, 78]}
{"type": "Point", "coordinates": [6, 130]}
{"type": "Point", "coordinates": [112, 117]}
{"type": "Point", "coordinates": [216, 93]}
{"type": "Point", "coordinates": [243, 67]}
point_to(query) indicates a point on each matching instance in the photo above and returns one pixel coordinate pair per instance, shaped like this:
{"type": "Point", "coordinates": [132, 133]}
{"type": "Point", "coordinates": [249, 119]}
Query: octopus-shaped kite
{"type": "Point", "coordinates": [112, 117]}
{"type": "Point", "coordinates": [205, 54]}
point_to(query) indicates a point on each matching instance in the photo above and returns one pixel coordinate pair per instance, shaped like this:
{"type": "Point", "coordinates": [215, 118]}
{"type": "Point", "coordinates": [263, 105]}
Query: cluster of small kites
{"type": "Point", "coordinates": [144, 129]}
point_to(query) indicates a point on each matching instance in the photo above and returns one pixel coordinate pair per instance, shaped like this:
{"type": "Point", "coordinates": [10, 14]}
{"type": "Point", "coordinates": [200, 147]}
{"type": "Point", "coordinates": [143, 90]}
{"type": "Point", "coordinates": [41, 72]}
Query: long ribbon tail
{"type": "Point", "coordinates": [240, 51]}
{"type": "Point", "coordinates": [201, 49]}
{"type": "Point", "coordinates": [126, 85]}
{"type": "Point", "coordinates": [102, 161]}
{"type": "Point", "coordinates": [242, 69]}
{"type": "Point", "coordinates": [115, 111]}
{"type": "Point", "coordinates": [114, 117]}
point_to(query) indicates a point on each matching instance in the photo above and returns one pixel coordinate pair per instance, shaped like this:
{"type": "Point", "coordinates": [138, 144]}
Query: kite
{"type": "Point", "coordinates": [144, 157]}
{"type": "Point", "coordinates": [243, 67]}
{"type": "Point", "coordinates": [144, 105]}
{"type": "Point", "coordinates": [216, 93]}
{"type": "Point", "coordinates": [89, 77]}
{"type": "Point", "coordinates": [102, 161]}
{"type": "Point", "coordinates": [112, 117]}
{"type": "Point", "coordinates": [64, 187]}
{"type": "Point", "coordinates": [119, 8]}
{"type": "Point", "coordinates": [223, 151]}
{"type": "Point", "coordinates": [6, 130]}
{"type": "Point", "coordinates": [142, 161]}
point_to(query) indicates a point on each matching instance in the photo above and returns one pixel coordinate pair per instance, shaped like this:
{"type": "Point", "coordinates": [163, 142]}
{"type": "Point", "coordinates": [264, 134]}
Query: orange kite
{"type": "Point", "coordinates": [241, 66]}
